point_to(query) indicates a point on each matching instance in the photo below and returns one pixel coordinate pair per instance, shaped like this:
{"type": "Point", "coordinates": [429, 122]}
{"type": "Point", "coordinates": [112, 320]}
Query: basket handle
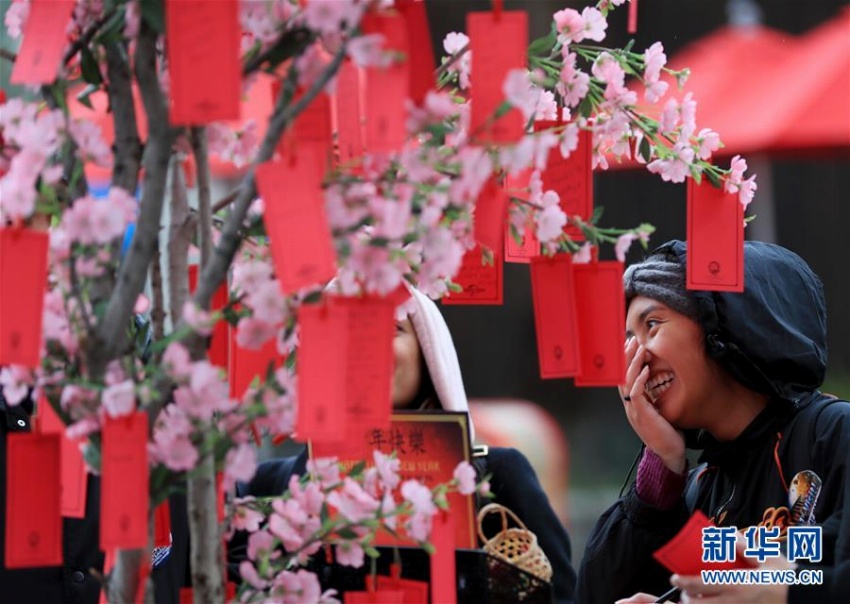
{"type": "Point", "coordinates": [497, 508]}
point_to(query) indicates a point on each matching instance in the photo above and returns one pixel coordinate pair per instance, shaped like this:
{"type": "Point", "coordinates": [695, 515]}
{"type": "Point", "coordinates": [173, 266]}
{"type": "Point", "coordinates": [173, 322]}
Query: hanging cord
{"type": "Point", "coordinates": [631, 469]}
{"type": "Point", "coordinates": [778, 463]}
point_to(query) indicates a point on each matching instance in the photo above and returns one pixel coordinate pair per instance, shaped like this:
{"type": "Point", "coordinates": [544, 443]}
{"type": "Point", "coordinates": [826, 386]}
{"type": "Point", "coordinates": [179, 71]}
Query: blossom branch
{"type": "Point", "coordinates": [290, 44]}
{"type": "Point", "coordinates": [128, 146]}
{"type": "Point", "coordinates": [8, 55]}
{"type": "Point", "coordinates": [179, 236]}
{"type": "Point", "coordinates": [199, 149]}
{"type": "Point", "coordinates": [87, 36]}
{"type": "Point", "coordinates": [132, 274]}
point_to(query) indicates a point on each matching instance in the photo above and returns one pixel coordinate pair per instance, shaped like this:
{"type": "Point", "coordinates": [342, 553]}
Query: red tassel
{"type": "Point", "coordinates": [632, 26]}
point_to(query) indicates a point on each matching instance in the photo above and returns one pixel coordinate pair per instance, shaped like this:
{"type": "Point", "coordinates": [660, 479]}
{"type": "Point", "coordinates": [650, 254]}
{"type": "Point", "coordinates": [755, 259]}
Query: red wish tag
{"type": "Point", "coordinates": [245, 364]}
{"type": "Point", "coordinates": [302, 248]}
{"type": "Point", "coordinates": [683, 553]}
{"type": "Point", "coordinates": [347, 107]}
{"type": "Point", "coordinates": [162, 525]}
{"type": "Point", "coordinates": [413, 592]}
{"type": "Point", "coordinates": [372, 595]}
{"type": "Point", "coordinates": [422, 64]}
{"type": "Point", "coordinates": [481, 283]}
{"type": "Point", "coordinates": [33, 519]}
{"type": "Point", "coordinates": [715, 239]}
{"type": "Point", "coordinates": [523, 251]}
{"type": "Point", "coordinates": [600, 312]}
{"type": "Point", "coordinates": [124, 482]}
{"type": "Point", "coordinates": [490, 209]}
{"type": "Point", "coordinates": [44, 42]}
{"type": "Point", "coordinates": [387, 89]}
{"type": "Point", "coordinates": [571, 178]}
{"type": "Point", "coordinates": [321, 373]}
{"type": "Point", "coordinates": [498, 45]}
{"type": "Point", "coordinates": [218, 346]}
{"type": "Point", "coordinates": [553, 293]}
{"type": "Point", "coordinates": [443, 570]}
{"type": "Point", "coordinates": [203, 60]}
{"type": "Point", "coordinates": [73, 473]}
{"type": "Point", "coordinates": [312, 129]}
{"type": "Point", "coordinates": [23, 270]}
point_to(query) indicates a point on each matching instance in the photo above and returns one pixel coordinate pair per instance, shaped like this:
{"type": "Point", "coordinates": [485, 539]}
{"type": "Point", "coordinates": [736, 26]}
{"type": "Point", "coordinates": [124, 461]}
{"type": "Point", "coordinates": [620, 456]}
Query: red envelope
{"type": "Point", "coordinates": [683, 553]}
{"type": "Point", "coordinates": [162, 525]}
{"type": "Point", "coordinates": [387, 89]}
{"type": "Point", "coordinates": [490, 209]}
{"type": "Point", "coordinates": [312, 130]}
{"type": "Point", "coordinates": [187, 596]}
{"type": "Point", "coordinates": [422, 64]}
{"type": "Point", "coordinates": [715, 239]}
{"type": "Point", "coordinates": [413, 592]}
{"type": "Point", "coordinates": [379, 596]}
{"type": "Point", "coordinates": [23, 270]}
{"type": "Point", "coordinates": [44, 42]}
{"type": "Point", "coordinates": [571, 178]}
{"type": "Point", "coordinates": [553, 293]}
{"type": "Point", "coordinates": [33, 518]}
{"type": "Point", "coordinates": [218, 346]}
{"type": "Point", "coordinates": [601, 315]}
{"type": "Point", "coordinates": [203, 60]}
{"type": "Point", "coordinates": [301, 244]}
{"type": "Point", "coordinates": [124, 492]}
{"type": "Point", "coordinates": [481, 283]}
{"type": "Point", "coordinates": [349, 118]}
{"type": "Point", "coordinates": [498, 45]}
{"type": "Point", "coordinates": [73, 473]}
{"type": "Point", "coordinates": [443, 570]}
{"type": "Point", "coordinates": [321, 373]}
{"type": "Point", "coordinates": [523, 252]}
{"type": "Point", "coordinates": [246, 364]}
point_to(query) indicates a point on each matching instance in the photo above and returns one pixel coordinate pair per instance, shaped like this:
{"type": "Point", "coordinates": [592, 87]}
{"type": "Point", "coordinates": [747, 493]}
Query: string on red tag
{"type": "Point", "coordinates": [633, 8]}
{"type": "Point", "coordinates": [497, 10]}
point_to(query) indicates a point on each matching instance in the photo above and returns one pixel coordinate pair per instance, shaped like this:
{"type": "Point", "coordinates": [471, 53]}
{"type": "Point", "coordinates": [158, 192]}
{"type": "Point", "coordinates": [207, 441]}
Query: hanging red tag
{"type": "Point", "coordinates": [203, 60]}
{"type": "Point", "coordinates": [571, 178]}
{"type": "Point", "coordinates": [162, 525]}
{"type": "Point", "coordinates": [218, 346]}
{"type": "Point", "coordinates": [600, 312]}
{"type": "Point", "coordinates": [33, 518]}
{"type": "Point", "coordinates": [187, 596]}
{"type": "Point", "coordinates": [481, 283]}
{"type": "Point", "coordinates": [245, 364]}
{"type": "Point", "coordinates": [553, 293]}
{"type": "Point", "coordinates": [413, 592]}
{"type": "Point", "coordinates": [23, 270]}
{"type": "Point", "coordinates": [312, 129]}
{"type": "Point", "coordinates": [73, 473]}
{"type": "Point", "coordinates": [377, 596]}
{"type": "Point", "coordinates": [301, 244]}
{"type": "Point", "coordinates": [528, 247]}
{"type": "Point", "coordinates": [683, 553]}
{"type": "Point", "coordinates": [498, 46]}
{"type": "Point", "coordinates": [715, 239]}
{"type": "Point", "coordinates": [422, 64]}
{"type": "Point", "coordinates": [443, 569]}
{"type": "Point", "coordinates": [349, 118]}
{"type": "Point", "coordinates": [490, 209]}
{"type": "Point", "coordinates": [124, 482]}
{"type": "Point", "coordinates": [44, 42]}
{"type": "Point", "coordinates": [633, 17]}
{"type": "Point", "coordinates": [321, 373]}
{"type": "Point", "coordinates": [387, 89]}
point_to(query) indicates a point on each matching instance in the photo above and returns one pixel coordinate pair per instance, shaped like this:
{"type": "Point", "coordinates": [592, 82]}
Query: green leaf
{"type": "Point", "coordinates": [153, 15]}
{"type": "Point", "coordinates": [696, 174]}
{"type": "Point", "coordinates": [89, 67]}
{"type": "Point", "coordinates": [713, 178]}
{"type": "Point", "coordinates": [585, 109]}
{"type": "Point", "coordinates": [357, 469]}
{"type": "Point", "coordinates": [543, 45]}
{"type": "Point", "coordinates": [628, 47]}
{"type": "Point", "coordinates": [645, 149]}
{"type": "Point", "coordinates": [84, 94]}
{"type": "Point", "coordinates": [597, 214]}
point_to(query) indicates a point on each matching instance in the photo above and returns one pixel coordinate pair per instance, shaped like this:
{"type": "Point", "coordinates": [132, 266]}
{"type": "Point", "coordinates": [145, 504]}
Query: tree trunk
{"type": "Point", "coordinates": [207, 579]}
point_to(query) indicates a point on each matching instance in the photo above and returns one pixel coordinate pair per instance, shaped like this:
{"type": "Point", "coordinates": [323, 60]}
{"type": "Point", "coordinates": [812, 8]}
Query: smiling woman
{"type": "Point", "coordinates": [736, 375]}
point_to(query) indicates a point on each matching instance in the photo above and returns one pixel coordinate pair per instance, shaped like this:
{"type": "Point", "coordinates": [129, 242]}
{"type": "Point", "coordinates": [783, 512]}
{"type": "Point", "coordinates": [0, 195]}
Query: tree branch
{"type": "Point", "coordinates": [8, 55]}
{"type": "Point", "coordinates": [226, 200]}
{"type": "Point", "coordinates": [215, 270]}
{"type": "Point", "coordinates": [179, 236]}
{"type": "Point", "coordinates": [87, 36]}
{"type": "Point", "coordinates": [202, 165]}
{"type": "Point", "coordinates": [127, 147]}
{"type": "Point", "coordinates": [158, 301]}
{"type": "Point", "coordinates": [133, 271]}
{"type": "Point", "coordinates": [288, 45]}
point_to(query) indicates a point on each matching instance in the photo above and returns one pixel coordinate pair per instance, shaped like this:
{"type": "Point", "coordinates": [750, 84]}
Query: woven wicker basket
{"type": "Point", "coordinates": [516, 545]}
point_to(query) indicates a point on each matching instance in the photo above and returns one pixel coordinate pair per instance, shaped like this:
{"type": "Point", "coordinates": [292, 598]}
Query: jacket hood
{"type": "Point", "coordinates": [772, 336]}
{"type": "Point", "coordinates": [438, 348]}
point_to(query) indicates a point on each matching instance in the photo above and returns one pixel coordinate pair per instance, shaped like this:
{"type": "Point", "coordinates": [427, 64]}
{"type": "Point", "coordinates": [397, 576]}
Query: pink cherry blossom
{"type": "Point", "coordinates": [120, 399]}
{"type": "Point", "coordinates": [177, 362]}
{"type": "Point", "coordinates": [654, 60]}
{"type": "Point", "coordinates": [388, 468]}
{"type": "Point", "coordinates": [15, 382]}
{"type": "Point", "coordinates": [91, 147]}
{"type": "Point", "coordinates": [327, 16]}
{"type": "Point", "coordinates": [325, 470]}
{"type": "Point", "coordinates": [736, 174]}
{"type": "Point", "coordinates": [419, 496]}
{"type": "Point", "coordinates": [676, 168]}
{"type": "Point", "coordinates": [352, 502]}
{"type": "Point", "coordinates": [309, 496]}
{"type": "Point", "coordinates": [249, 275]}
{"type": "Point", "coordinates": [574, 83]}
{"type": "Point", "coordinates": [298, 587]}
{"type": "Point", "coordinates": [260, 543]}
{"type": "Point", "coordinates": [201, 321]}
{"type": "Point", "coordinates": [267, 302]}
{"type": "Point", "coordinates": [584, 254]}
{"type": "Point", "coordinates": [569, 24]}
{"type": "Point", "coordinates": [594, 24]}
{"type": "Point", "coordinates": [349, 553]}
{"type": "Point", "coordinates": [368, 51]}
{"type": "Point", "coordinates": [709, 142]}
{"type": "Point", "coordinates": [464, 474]}
{"type": "Point", "coordinates": [747, 191]}
{"type": "Point", "coordinates": [453, 43]}
{"type": "Point", "coordinates": [551, 220]}
{"type": "Point", "coordinates": [240, 464]}
{"type": "Point", "coordinates": [16, 17]}
{"type": "Point", "coordinates": [249, 573]}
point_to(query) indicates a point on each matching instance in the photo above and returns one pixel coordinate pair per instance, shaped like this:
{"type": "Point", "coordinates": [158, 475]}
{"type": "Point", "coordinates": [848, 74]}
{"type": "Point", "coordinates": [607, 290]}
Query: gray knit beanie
{"type": "Point", "coordinates": [660, 277]}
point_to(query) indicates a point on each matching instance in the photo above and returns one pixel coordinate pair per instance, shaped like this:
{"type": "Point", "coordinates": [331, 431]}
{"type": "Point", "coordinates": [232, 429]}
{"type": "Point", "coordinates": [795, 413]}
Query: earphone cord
{"type": "Point", "coordinates": [631, 470]}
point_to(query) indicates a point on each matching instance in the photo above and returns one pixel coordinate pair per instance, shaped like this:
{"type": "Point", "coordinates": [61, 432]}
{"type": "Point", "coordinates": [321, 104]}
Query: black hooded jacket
{"type": "Point", "coordinates": [771, 338]}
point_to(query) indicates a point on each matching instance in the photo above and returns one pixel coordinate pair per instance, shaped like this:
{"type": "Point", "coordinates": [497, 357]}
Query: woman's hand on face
{"type": "Point", "coordinates": [657, 433]}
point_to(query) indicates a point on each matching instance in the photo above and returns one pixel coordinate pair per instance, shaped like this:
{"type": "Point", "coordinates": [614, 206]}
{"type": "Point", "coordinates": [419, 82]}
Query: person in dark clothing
{"type": "Point", "coordinates": [427, 376]}
{"type": "Point", "coordinates": [737, 376]}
